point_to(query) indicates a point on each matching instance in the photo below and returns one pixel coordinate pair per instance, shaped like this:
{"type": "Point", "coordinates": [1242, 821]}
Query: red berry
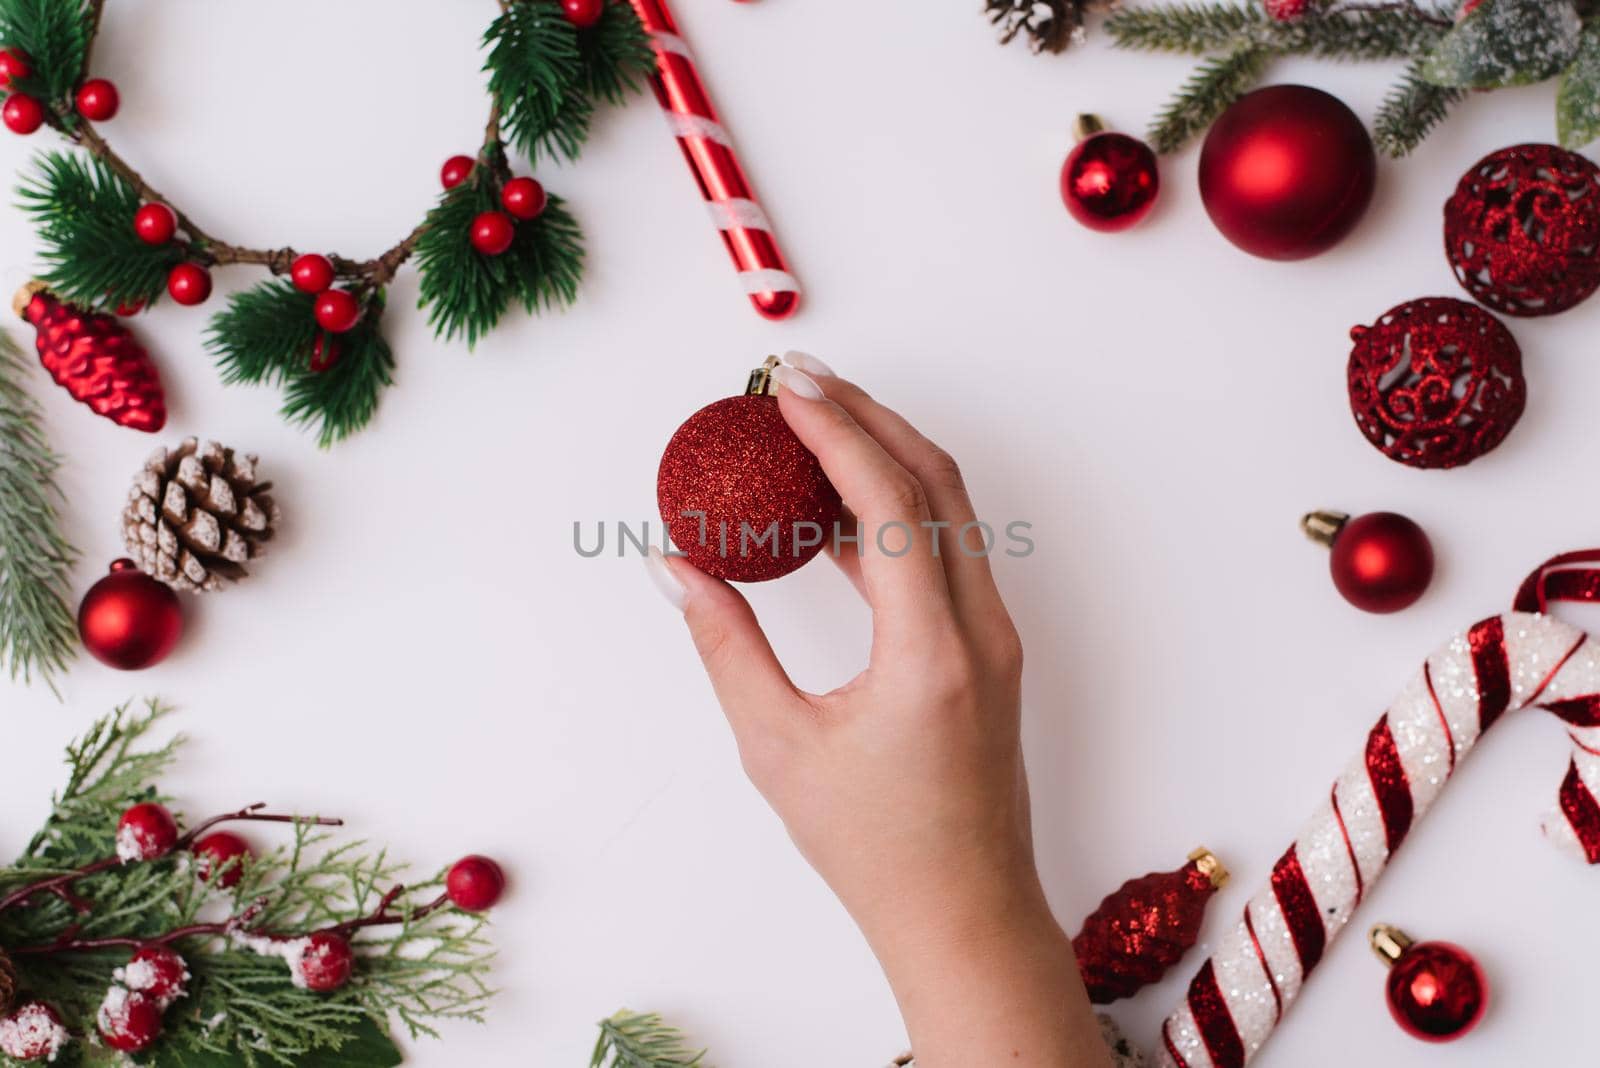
{"type": "Point", "coordinates": [311, 273]}
{"type": "Point", "coordinates": [22, 113]}
{"type": "Point", "coordinates": [14, 66]}
{"type": "Point", "coordinates": [323, 961]}
{"type": "Point", "coordinates": [493, 232]}
{"type": "Point", "coordinates": [156, 972]}
{"type": "Point", "coordinates": [523, 197]}
{"type": "Point", "coordinates": [189, 284]}
{"type": "Point", "coordinates": [583, 13]}
{"type": "Point", "coordinates": [223, 852]}
{"type": "Point", "coordinates": [156, 224]}
{"type": "Point", "coordinates": [337, 311]}
{"type": "Point", "coordinates": [129, 308]}
{"type": "Point", "coordinates": [325, 352]}
{"type": "Point", "coordinates": [98, 100]}
{"type": "Point", "coordinates": [32, 1032]}
{"type": "Point", "coordinates": [129, 1021]}
{"type": "Point", "coordinates": [145, 832]}
{"type": "Point", "coordinates": [1286, 10]}
{"type": "Point", "coordinates": [456, 170]}
{"type": "Point", "coordinates": [475, 883]}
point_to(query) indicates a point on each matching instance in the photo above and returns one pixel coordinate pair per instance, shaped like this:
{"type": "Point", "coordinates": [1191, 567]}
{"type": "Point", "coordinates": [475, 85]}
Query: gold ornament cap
{"type": "Point", "coordinates": [1086, 126]}
{"type": "Point", "coordinates": [1389, 943]}
{"type": "Point", "coordinates": [1323, 527]}
{"type": "Point", "coordinates": [24, 297]}
{"type": "Point", "coordinates": [761, 383]}
{"type": "Point", "coordinates": [1212, 868]}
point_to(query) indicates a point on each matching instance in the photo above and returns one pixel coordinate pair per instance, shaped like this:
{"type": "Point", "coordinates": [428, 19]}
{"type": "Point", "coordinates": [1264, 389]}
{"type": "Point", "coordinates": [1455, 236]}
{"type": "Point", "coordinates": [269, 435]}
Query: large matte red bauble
{"type": "Point", "coordinates": [738, 462]}
{"type": "Point", "coordinates": [1287, 172]}
{"type": "Point", "coordinates": [98, 100]}
{"type": "Point", "coordinates": [128, 620]}
{"type": "Point", "coordinates": [1436, 382]}
{"type": "Point", "coordinates": [1110, 181]}
{"type": "Point", "coordinates": [1381, 562]}
{"type": "Point", "coordinates": [22, 114]}
{"type": "Point", "coordinates": [1523, 228]}
{"type": "Point", "coordinates": [1437, 992]}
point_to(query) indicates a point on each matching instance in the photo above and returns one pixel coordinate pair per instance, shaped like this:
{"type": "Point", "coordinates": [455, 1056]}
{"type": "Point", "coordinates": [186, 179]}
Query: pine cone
{"type": "Point", "coordinates": [196, 515]}
{"type": "Point", "coordinates": [8, 984]}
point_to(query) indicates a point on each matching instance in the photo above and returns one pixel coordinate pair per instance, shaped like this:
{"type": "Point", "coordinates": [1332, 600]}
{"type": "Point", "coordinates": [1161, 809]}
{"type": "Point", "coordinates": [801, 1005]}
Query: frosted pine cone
{"type": "Point", "coordinates": [197, 515]}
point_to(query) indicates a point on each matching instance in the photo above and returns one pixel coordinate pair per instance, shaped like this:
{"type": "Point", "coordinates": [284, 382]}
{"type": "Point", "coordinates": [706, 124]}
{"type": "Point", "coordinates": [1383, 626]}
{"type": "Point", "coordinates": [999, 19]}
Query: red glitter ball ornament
{"type": "Point", "coordinates": [1523, 229]}
{"type": "Point", "coordinates": [1436, 382]}
{"type": "Point", "coordinates": [1380, 562]}
{"type": "Point", "coordinates": [1436, 990]}
{"type": "Point", "coordinates": [1110, 180]}
{"type": "Point", "coordinates": [767, 506]}
{"type": "Point", "coordinates": [128, 620]}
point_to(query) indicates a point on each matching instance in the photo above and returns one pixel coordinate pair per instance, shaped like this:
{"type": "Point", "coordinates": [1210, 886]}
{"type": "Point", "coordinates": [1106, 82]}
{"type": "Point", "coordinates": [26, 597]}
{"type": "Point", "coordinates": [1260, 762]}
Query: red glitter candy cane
{"type": "Point", "coordinates": [709, 150]}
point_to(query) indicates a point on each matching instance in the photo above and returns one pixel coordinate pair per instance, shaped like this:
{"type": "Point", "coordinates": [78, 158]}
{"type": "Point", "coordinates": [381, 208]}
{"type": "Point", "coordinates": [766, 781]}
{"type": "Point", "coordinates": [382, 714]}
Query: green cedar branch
{"type": "Point", "coordinates": [642, 1040]}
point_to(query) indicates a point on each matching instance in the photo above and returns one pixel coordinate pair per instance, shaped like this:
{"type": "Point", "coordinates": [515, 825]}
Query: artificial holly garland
{"type": "Point", "coordinates": [494, 239]}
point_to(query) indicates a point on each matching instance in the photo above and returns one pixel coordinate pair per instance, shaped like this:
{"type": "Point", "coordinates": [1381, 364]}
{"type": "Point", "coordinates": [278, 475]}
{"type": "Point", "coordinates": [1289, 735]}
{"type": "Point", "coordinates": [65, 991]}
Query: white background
{"type": "Point", "coordinates": [425, 654]}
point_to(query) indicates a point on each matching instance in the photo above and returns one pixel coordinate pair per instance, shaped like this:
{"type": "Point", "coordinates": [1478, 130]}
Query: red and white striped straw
{"type": "Point", "coordinates": [708, 148]}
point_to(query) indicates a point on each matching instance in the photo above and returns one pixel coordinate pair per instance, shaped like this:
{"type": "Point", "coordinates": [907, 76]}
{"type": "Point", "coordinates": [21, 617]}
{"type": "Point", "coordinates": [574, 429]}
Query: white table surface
{"type": "Point", "coordinates": [426, 655]}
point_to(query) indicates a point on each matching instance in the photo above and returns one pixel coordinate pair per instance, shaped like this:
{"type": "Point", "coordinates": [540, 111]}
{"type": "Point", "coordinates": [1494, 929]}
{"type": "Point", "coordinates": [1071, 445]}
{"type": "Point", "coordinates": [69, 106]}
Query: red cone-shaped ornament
{"type": "Point", "coordinates": [1146, 927]}
{"type": "Point", "coordinates": [96, 359]}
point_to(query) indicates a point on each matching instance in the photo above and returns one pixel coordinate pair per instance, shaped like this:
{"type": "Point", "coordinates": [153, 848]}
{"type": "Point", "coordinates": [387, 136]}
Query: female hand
{"type": "Point", "coordinates": [905, 787]}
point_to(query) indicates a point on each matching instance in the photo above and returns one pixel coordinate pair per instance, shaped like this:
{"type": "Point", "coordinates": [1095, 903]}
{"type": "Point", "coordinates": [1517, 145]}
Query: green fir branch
{"type": "Point", "coordinates": [534, 69]}
{"type": "Point", "coordinates": [37, 633]}
{"type": "Point", "coordinates": [1411, 111]}
{"type": "Point", "coordinates": [55, 34]}
{"type": "Point", "coordinates": [615, 54]}
{"type": "Point", "coordinates": [547, 259]}
{"type": "Point", "coordinates": [642, 1040]}
{"type": "Point", "coordinates": [1383, 32]}
{"type": "Point", "coordinates": [1216, 84]}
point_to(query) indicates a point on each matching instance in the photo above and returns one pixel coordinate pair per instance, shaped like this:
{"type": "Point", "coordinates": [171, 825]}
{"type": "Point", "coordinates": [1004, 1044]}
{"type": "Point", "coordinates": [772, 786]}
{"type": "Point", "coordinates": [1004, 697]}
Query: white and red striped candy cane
{"type": "Point", "coordinates": [1519, 660]}
{"type": "Point", "coordinates": [709, 150]}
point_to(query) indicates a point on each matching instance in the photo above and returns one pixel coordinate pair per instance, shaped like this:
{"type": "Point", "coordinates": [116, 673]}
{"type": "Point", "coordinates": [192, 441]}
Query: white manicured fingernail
{"type": "Point", "coordinates": [797, 382]}
{"type": "Point", "coordinates": [674, 591]}
{"type": "Point", "coordinates": [808, 363]}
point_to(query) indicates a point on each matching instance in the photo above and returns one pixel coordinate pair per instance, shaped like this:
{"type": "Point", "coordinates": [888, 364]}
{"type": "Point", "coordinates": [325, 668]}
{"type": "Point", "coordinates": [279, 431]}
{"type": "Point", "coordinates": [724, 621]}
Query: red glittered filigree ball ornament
{"type": "Point", "coordinates": [1523, 230]}
{"type": "Point", "coordinates": [743, 499]}
{"type": "Point", "coordinates": [1380, 562]}
{"type": "Point", "coordinates": [1110, 180]}
{"type": "Point", "coordinates": [1436, 990]}
{"type": "Point", "coordinates": [1436, 382]}
{"type": "Point", "coordinates": [128, 620]}
{"type": "Point", "coordinates": [1287, 171]}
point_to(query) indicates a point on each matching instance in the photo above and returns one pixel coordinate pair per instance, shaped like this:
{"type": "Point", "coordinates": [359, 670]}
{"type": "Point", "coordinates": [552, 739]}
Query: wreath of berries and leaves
{"type": "Point", "coordinates": [495, 239]}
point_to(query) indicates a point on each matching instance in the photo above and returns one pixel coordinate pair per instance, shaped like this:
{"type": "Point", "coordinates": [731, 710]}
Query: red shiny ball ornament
{"type": "Point", "coordinates": [583, 13]}
{"type": "Point", "coordinates": [128, 620]}
{"type": "Point", "coordinates": [524, 198]}
{"type": "Point", "coordinates": [475, 883]}
{"type": "Point", "coordinates": [32, 1032]}
{"type": "Point", "coordinates": [325, 962]}
{"type": "Point", "coordinates": [1110, 181]}
{"type": "Point", "coordinates": [156, 224]}
{"type": "Point", "coordinates": [14, 66]}
{"type": "Point", "coordinates": [223, 852]}
{"type": "Point", "coordinates": [1523, 227]}
{"type": "Point", "coordinates": [156, 972]}
{"type": "Point", "coordinates": [493, 232]}
{"type": "Point", "coordinates": [98, 100]}
{"type": "Point", "coordinates": [456, 170]}
{"type": "Point", "coordinates": [1437, 992]}
{"type": "Point", "coordinates": [1287, 171]}
{"type": "Point", "coordinates": [1435, 382]}
{"type": "Point", "coordinates": [146, 831]}
{"type": "Point", "coordinates": [1381, 562]}
{"type": "Point", "coordinates": [129, 1021]}
{"type": "Point", "coordinates": [739, 463]}
{"type": "Point", "coordinates": [22, 114]}
{"type": "Point", "coordinates": [189, 284]}
{"type": "Point", "coordinates": [311, 273]}
{"type": "Point", "coordinates": [325, 352]}
{"type": "Point", "coordinates": [337, 311]}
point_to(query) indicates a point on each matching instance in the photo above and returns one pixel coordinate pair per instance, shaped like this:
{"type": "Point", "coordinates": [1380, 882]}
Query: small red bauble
{"type": "Point", "coordinates": [22, 114]}
{"type": "Point", "coordinates": [583, 13]}
{"type": "Point", "coordinates": [1436, 382]}
{"type": "Point", "coordinates": [325, 352]}
{"type": "Point", "coordinates": [324, 962]}
{"type": "Point", "coordinates": [1110, 181]}
{"type": "Point", "coordinates": [311, 273]}
{"type": "Point", "coordinates": [156, 224]}
{"type": "Point", "coordinates": [189, 284]}
{"type": "Point", "coordinates": [456, 170]}
{"type": "Point", "coordinates": [223, 852]}
{"type": "Point", "coordinates": [1436, 990]}
{"type": "Point", "coordinates": [493, 232]}
{"type": "Point", "coordinates": [129, 1021]}
{"type": "Point", "coordinates": [14, 66]}
{"type": "Point", "coordinates": [32, 1032]}
{"type": "Point", "coordinates": [1287, 171]}
{"type": "Point", "coordinates": [475, 883]}
{"type": "Point", "coordinates": [738, 462]}
{"type": "Point", "coordinates": [523, 197]}
{"type": "Point", "coordinates": [1381, 562]}
{"type": "Point", "coordinates": [338, 311]}
{"type": "Point", "coordinates": [1523, 227]}
{"type": "Point", "coordinates": [98, 100]}
{"type": "Point", "coordinates": [146, 831]}
{"type": "Point", "coordinates": [128, 620]}
{"type": "Point", "coordinates": [158, 973]}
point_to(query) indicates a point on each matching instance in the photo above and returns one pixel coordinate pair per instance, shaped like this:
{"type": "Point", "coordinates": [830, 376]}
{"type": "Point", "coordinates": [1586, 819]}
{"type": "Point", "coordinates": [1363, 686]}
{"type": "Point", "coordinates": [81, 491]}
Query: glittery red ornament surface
{"type": "Point", "coordinates": [97, 360]}
{"type": "Point", "coordinates": [1523, 230]}
{"type": "Point", "coordinates": [1143, 929]}
{"type": "Point", "coordinates": [1436, 382]}
{"type": "Point", "coordinates": [738, 462]}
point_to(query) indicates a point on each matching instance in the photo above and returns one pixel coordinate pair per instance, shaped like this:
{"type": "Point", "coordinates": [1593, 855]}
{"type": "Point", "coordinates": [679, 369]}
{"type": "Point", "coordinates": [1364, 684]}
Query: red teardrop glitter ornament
{"type": "Point", "coordinates": [1380, 562]}
{"type": "Point", "coordinates": [96, 359]}
{"type": "Point", "coordinates": [1436, 990]}
{"type": "Point", "coordinates": [738, 463]}
{"type": "Point", "coordinates": [1145, 927]}
{"type": "Point", "coordinates": [1110, 180]}
{"type": "Point", "coordinates": [1523, 230]}
{"type": "Point", "coordinates": [1436, 382]}
{"type": "Point", "coordinates": [128, 620]}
